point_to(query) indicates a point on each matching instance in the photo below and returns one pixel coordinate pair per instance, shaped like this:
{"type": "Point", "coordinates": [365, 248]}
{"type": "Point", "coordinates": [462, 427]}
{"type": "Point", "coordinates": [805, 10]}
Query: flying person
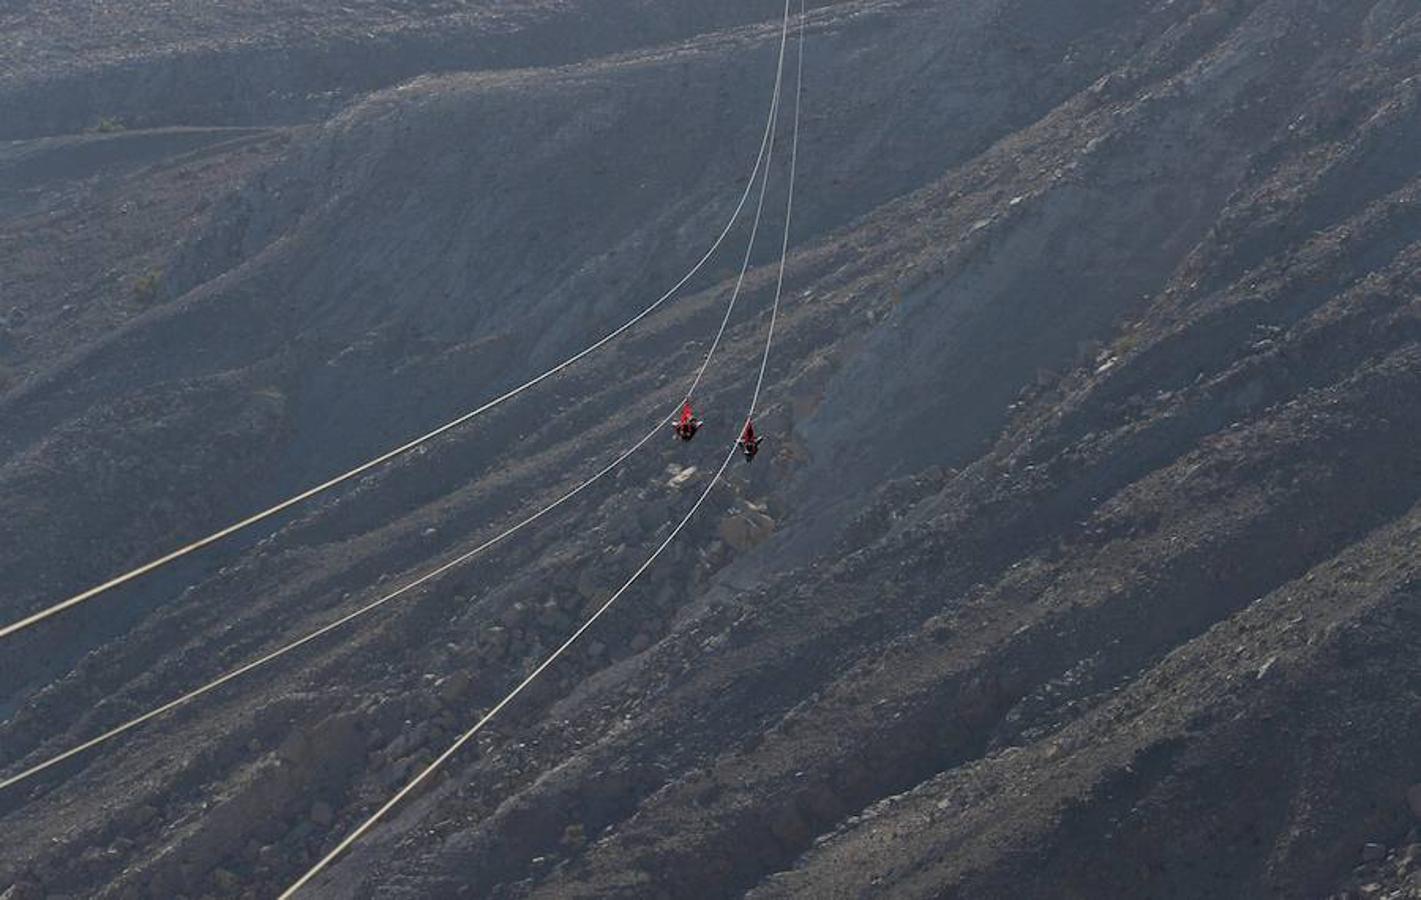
{"type": "Point", "coordinates": [686, 427]}
{"type": "Point", "coordinates": [749, 442]}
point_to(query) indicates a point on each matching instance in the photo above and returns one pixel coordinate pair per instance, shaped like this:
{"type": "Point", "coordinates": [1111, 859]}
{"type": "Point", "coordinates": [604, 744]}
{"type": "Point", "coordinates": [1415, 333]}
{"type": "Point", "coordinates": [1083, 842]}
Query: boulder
{"type": "Point", "coordinates": [745, 529]}
{"type": "Point", "coordinates": [679, 480]}
{"type": "Point", "coordinates": [332, 744]}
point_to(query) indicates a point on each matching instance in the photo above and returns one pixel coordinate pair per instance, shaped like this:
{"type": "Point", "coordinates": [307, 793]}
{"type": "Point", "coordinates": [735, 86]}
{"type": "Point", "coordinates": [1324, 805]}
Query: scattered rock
{"type": "Point", "coordinates": [745, 529]}
{"type": "Point", "coordinates": [1373, 852]}
{"type": "Point", "coordinates": [308, 747]}
{"type": "Point", "coordinates": [680, 478]}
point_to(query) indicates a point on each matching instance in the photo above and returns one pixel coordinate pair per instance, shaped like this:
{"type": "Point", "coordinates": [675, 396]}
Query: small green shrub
{"type": "Point", "coordinates": [574, 837]}
{"type": "Point", "coordinates": [109, 125]}
{"type": "Point", "coordinates": [1127, 342]}
{"type": "Point", "coordinates": [147, 287]}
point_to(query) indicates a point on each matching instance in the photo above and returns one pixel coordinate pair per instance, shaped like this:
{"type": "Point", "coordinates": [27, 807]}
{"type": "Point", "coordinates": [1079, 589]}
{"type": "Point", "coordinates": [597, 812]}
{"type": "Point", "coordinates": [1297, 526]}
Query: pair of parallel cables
{"type": "Point", "coordinates": [467, 736]}
{"type": "Point", "coordinates": [761, 170]}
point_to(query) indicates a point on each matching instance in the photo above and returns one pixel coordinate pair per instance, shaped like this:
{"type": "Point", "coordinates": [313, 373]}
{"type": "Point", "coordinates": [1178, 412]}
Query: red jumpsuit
{"type": "Point", "coordinates": [686, 428]}
{"type": "Point", "coordinates": [749, 442]}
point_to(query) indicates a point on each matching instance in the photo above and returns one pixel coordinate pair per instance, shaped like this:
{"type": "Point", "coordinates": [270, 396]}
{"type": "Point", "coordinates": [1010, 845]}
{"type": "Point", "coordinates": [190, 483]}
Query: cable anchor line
{"type": "Point", "coordinates": [467, 736]}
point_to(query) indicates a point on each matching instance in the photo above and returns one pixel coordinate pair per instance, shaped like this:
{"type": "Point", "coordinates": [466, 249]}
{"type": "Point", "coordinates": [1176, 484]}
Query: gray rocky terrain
{"type": "Point", "coordinates": [1081, 559]}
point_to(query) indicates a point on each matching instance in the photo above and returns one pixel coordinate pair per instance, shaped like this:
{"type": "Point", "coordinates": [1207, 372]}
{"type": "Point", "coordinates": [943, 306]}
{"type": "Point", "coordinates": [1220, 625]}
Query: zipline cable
{"type": "Point", "coordinates": [556, 654]}
{"type": "Point", "coordinates": [133, 574]}
{"type": "Point", "coordinates": [274, 655]}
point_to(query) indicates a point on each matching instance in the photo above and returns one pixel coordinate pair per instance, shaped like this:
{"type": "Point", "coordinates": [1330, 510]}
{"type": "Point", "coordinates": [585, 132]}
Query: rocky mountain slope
{"type": "Point", "coordinates": [1081, 561]}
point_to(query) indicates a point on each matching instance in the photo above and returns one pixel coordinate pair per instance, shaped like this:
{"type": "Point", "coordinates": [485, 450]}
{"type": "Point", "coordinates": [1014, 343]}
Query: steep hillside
{"type": "Point", "coordinates": [1081, 560]}
{"type": "Point", "coordinates": [68, 65]}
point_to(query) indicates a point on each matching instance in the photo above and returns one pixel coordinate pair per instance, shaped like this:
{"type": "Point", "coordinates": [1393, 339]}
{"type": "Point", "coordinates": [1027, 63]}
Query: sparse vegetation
{"type": "Point", "coordinates": [1127, 342]}
{"type": "Point", "coordinates": [109, 125]}
{"type": "Point", "coordinates": [574, 837]}
{"type": "Point", "coordinates": [148, 286]}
